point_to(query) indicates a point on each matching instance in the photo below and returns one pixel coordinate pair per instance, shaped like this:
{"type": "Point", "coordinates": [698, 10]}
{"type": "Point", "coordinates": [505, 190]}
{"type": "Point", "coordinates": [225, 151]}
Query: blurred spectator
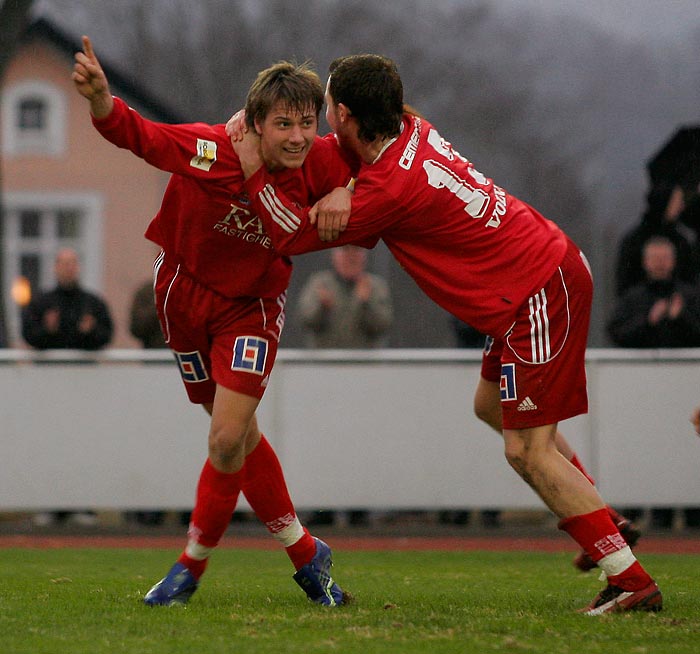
{"type": "Point", "coordinates": [67, 317]}
{"type": "Point", "coordinates": [145, 326]}
{"type": "Point", "coordinates": [689, 212]}
{"type": "Point", "coordinates": [667, 214]}
{"type": "Point", "coordinates": [143, 318]}
{"type": "Point", "coordinates": [465, 335]}
{"type": "Point", "coordinates": [345, 307]}
{"type": "Point", "coordinates": [660, 311]}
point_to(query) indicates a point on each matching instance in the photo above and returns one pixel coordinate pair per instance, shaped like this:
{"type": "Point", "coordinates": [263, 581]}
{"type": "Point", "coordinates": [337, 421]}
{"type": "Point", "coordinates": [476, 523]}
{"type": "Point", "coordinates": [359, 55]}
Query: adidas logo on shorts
{"type": "Point", "coordinates": [527, 405]}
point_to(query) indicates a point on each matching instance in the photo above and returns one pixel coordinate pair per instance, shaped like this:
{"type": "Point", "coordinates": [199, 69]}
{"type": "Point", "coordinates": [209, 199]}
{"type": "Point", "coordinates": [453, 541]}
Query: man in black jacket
{"type": "Point", "coordinates": [68, 317]}
{"type": "Point", "coordinates": [661, 311]}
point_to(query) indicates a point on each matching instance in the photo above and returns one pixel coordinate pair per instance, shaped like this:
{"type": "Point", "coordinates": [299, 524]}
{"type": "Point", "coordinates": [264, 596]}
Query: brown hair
{"type": "Point", "coordinates": [371, 88]}
{"type": "Point", "coordinates": [296, 85]}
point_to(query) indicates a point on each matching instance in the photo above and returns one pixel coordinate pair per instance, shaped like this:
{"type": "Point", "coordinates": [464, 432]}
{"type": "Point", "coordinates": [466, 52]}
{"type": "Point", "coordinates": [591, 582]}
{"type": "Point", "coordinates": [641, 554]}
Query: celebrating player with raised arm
{"type": "Point", "coordinates": [492, 261]}
{"type": "Point", "coordinates": [220, 290]}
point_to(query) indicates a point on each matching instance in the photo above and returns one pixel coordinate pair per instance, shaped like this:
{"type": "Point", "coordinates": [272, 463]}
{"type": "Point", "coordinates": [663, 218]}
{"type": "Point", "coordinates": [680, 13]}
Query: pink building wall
{"type": "Point", "coordinates": [130, 189]}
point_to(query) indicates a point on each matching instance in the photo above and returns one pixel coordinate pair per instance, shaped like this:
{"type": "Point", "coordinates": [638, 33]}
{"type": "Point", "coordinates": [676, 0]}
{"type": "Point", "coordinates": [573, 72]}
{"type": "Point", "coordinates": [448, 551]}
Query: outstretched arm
{"type": "Point", "coordinates": [91, 82]}
{"type": "Point", "coordinates": [193, 150]}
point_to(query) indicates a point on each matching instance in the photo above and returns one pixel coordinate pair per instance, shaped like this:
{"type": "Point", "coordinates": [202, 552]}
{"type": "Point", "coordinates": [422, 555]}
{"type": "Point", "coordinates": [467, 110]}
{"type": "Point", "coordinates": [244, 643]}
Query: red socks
{"type": "Point", "coordinates": [265, 488]}
{"type": "Point", "coordinates": [599, 537]}
{"type": "Point", "coordinates": [217, 495]}
{"type": "Point", "coordinates": [262, 481]}
{"type": "Point", "coordinates": [301, 552]}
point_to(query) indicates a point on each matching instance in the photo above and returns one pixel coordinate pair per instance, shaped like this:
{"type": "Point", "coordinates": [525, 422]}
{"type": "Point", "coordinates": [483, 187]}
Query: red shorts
{"type": "Point", "coordinates": [217, 340]}
{"type": "Point", "coordinates": [540, 361]}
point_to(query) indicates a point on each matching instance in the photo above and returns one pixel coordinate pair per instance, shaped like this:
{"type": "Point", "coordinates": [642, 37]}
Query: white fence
{"type": "Point", "coordinates": [381, 429]}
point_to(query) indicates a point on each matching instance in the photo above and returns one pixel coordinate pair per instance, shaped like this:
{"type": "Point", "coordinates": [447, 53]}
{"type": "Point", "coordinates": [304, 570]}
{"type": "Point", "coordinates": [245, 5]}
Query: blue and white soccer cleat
{"type": "Point", "coordinates": [175, 589]}
{"type": "Point", "coordinates": [316, 581]}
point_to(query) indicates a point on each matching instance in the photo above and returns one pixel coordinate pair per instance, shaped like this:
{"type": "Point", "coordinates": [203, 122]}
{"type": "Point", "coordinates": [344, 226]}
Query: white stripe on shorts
{"type": "Point", "coordinates": [539, 328]}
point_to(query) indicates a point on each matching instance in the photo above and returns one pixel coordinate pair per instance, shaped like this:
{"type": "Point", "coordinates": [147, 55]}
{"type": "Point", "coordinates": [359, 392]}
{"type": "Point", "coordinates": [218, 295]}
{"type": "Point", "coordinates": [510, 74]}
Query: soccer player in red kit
{"type": "Point", "coordinates": [487, 407]}
{"type": "Point", "coordinates": [489, 259]}
{"type": "Point", "coordinates": [220, 292]}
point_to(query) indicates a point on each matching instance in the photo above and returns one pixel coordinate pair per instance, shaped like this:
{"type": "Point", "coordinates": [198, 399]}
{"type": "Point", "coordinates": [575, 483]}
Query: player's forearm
{"type": "Point", "coordinates": [287, 225]}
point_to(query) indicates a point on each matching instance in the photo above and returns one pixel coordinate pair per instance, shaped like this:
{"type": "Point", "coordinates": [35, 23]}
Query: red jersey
{"type": "Point", "coordinates": [206, 223]}
{"type": "Point", "coordinates": [473, 248]}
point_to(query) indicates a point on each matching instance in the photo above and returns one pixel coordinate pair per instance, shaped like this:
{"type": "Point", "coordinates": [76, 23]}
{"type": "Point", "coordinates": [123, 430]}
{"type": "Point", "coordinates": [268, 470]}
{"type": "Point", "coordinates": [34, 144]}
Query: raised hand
{"type": "Point", "coordinates": [91, 82]}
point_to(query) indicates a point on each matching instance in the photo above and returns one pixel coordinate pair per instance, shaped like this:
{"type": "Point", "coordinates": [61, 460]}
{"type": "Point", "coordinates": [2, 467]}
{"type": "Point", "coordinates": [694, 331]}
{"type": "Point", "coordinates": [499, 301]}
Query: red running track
{"type": "Point", "coordinates": [648, 545]}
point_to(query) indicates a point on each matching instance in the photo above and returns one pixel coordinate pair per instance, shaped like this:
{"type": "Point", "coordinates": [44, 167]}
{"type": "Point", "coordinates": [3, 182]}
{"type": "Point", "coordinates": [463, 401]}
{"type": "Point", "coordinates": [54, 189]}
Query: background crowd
{"type": "Point", "coordinates": [346, 306]}
{"type": "Point", "coordinates": [657, 302]}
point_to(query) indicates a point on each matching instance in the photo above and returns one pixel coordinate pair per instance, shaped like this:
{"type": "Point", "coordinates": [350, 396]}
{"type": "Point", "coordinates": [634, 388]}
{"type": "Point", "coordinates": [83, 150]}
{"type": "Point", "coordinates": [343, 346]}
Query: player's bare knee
{"type": "Point", "coordinates": [516, 461]}
{"type": "Point", "coordinates": [226, 447]}
{"type": "Point", "coordinates": [517, 455]}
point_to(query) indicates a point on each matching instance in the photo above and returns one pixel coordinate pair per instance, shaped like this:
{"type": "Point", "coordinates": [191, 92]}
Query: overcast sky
{"type": "Point", "coordinates": [667, 19]}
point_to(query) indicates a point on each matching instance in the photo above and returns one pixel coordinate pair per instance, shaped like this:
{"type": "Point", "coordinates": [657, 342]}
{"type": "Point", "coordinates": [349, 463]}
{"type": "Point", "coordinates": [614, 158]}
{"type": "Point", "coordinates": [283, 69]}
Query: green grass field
{"type": "Point", "coordinates": [89, 600]}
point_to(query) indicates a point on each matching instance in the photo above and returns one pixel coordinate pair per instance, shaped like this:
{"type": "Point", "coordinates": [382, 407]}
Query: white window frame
{"type": "Point", "coordinates": [88, 243]}
{"type": "Point", "coordinates": [49, 141]}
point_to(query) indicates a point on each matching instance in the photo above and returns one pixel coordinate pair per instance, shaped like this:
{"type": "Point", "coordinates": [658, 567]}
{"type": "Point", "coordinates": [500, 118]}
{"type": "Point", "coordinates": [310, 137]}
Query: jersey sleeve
{"type": "Point", "coordinates": [192, 150]}
{"type": "Point", "coordinates": [325, 168]}
{"type": "Point", "coordinates": [289, 227]}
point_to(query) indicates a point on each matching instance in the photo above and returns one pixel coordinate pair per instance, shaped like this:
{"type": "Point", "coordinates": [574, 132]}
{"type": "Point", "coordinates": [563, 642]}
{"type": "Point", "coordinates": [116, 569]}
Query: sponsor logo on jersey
{"type": "Point", "coordinates": [206, 155]}
{"type": "Point", "coordinates": [250, 354]}
{"type": "Point", "coordinates": [499, 208]}
{"type": "Point", "coordinates": [191, 366]}
{"type": "Point", "coordinates": [409, 152]}
{"type": "Point", "coordinates": [244, 225]}
{"type": "Point", "coordinates": [527, 405]}
{"type": "Point", "coordinates": [508, 389]}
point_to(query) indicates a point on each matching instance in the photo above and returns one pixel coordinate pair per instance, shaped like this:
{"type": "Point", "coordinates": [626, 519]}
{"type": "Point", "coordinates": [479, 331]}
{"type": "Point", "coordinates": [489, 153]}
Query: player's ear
{"type": "Point", "coordinates": [343, 111]}
{"type": "Point", "coordinates": [258, 127]}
